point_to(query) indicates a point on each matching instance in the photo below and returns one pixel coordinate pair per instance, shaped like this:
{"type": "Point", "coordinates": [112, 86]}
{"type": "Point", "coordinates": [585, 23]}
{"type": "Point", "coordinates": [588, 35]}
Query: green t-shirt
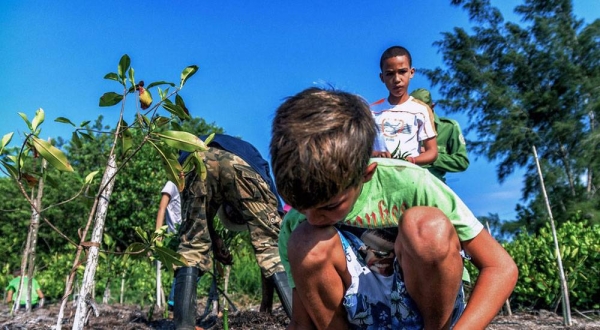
{"type": "Point", "coordinates": [14, 286]}
{"type": "Point", "coordinates": [396, 186]}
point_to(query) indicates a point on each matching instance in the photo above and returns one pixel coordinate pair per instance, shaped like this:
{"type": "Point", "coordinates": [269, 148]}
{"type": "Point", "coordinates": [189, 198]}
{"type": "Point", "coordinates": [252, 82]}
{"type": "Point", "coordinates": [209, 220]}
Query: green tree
{"type": "Point", "coordinates": [529, 85]}
{"type": "Point", "coordinates": [138, 183]}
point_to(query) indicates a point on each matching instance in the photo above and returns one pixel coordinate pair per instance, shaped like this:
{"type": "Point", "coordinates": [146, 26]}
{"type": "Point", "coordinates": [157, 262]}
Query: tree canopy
{"type": "Point", "coordinates": [530, 84]}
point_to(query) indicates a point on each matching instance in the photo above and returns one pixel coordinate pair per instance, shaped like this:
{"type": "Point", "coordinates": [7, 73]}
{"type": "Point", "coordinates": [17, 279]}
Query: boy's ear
{"type": "Point", "coordinates": [381, 77]}
{"type": "Point", "coordinates": [369, 172]}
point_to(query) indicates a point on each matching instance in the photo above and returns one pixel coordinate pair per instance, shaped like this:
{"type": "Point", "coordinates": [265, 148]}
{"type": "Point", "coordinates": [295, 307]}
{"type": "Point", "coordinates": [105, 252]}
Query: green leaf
{"type": "Point", "coordinates": [176, 110]}
{"type": "Point", "coordinates": [112, 76]}
{"type": "Point", "coordinates": [209, 139]}
{"type": "Point", "coordinates": [182, 140]}
{"type": "Point", "coordinates": [161, 121]}
{"type": "Point", "coordinates": [64, 121]}
{"type": "Point", "coordinates": [135, 250]}
{"type": "Point", "coordinates": [127, 144]}
{"type": "Point", "coordinates": [187, 73]}
{"type": "Point", "coordinates": [170, 163]}
{"type": "Point", "coordinates": [179, 101]}
{"type": "Point", "coordinates": [109, 99]}
{"type": "Point", "coordinates": [123, 67]}
{"type": "Point", "coordinates": [200, 166]}
{"type": "Point", "coordinates": [132, 77]}
{"type": "Point", "coordinates": [126, 137]}
{"type": "Point", "coordinates": [175, 126]}
{"type": "Point", "coordinates": [108, 240]}
{"type": "Point", "coordinates": [84, 123]}
{"type": "Point", "coordinates": [24, 116]}
{"type": "Point", "coordinates": [6, 140]}
{"type": "Point", "coordinates": [51, 154]}
{"type": "Point", "coordinates": [75, 140]}
{"type": "Point", "coordinates": [169, 257]}
{"type": "Point", "coordinates": [86, 136]}
{"type": "Point", "coordinates": [158, 83]}
{"type": "Point", "coordinates": [11, 169]}
{"type": "Point", "coordinates": [38, 119]}
{"type": "Point", "coordinates": [90, 177]}
{"type": "Point", "coordinates": [142, 234]}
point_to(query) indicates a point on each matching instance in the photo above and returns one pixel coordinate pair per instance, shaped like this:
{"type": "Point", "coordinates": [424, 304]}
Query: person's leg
{"type": "Point", "coordinates": [428, 251]}
{"type": "Point", "coordinates": [318, 265]}
{"type": "Point", "coordinates": [171, 299]}
{"type": "Point", "coordinates": [184, 311]}
{"type": "Point", "coordinates": [194, 246]}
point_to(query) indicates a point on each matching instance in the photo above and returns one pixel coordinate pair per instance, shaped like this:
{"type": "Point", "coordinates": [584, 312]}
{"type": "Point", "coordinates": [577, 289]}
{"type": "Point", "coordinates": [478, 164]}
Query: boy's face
{"type": "Point", "coordinates": [337, 208]}
{"type": "Point", "coordinates": [334, 210]}
{"type": "Point", "coordinates": [396, 74]}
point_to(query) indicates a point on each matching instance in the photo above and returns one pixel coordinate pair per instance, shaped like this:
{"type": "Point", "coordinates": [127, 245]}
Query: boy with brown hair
{"type": "Point", "coordinates": [320, 153]}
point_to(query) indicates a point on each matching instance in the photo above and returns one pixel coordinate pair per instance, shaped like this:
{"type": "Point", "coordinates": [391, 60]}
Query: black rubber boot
{"type": "Point", "coordinates": [283, 291]}
{"type": "Point", "coordinates": [184, 310]}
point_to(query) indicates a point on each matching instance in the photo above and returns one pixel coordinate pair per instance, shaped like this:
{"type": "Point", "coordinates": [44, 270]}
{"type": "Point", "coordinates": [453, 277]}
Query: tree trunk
{"type": "Point", "coordinates": [34, 228]}
{"type": "Point", "coordinates": [85, 301]}
{"type": "Point", "coordinates": [28, 260]}
{"type": "Point", "coordinates": [565, 159]}
{"type": "Point", "coordinates": [590, 171]}
{"type": "Point", "coordinates": [106, 295]}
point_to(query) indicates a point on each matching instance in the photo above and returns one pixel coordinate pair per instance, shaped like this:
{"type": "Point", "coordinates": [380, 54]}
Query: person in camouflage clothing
{"type": "Point", "coordinates": [239, 189]}
{"type": "Point", "coordinates": [452, 149]}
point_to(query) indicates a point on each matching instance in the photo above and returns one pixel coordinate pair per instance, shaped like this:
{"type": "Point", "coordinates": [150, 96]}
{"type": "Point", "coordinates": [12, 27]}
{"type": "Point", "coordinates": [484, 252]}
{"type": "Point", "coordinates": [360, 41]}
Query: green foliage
{"type": "Point", "coordinates": [539, 279]}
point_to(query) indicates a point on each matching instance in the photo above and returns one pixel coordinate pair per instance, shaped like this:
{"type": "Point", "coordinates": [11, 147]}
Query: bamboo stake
{"type": "Point", "coordinates": [566, 308]}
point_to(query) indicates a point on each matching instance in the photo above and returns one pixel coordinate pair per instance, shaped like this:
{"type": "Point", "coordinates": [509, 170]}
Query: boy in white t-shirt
{"type": "Point", "coordinates": [169, 211]}
{"type": "Point", "coordinates": [404, 123]}
{"type": "Point", "coordinates": [169, 207]}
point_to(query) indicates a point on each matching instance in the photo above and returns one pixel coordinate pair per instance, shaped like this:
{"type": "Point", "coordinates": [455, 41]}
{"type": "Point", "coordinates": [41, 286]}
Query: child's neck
{"type": "Point", "coordinates": [393, 100]}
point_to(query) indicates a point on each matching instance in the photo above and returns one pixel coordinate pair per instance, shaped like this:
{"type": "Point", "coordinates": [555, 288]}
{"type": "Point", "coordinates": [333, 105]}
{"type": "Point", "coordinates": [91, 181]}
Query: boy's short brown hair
{"type": "Point", "coordinates": [320, 145]}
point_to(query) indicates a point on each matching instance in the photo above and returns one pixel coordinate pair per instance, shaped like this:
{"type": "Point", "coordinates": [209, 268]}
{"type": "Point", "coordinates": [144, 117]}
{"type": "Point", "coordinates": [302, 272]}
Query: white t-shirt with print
{"type": "Point", "coordinates": [402, 127]}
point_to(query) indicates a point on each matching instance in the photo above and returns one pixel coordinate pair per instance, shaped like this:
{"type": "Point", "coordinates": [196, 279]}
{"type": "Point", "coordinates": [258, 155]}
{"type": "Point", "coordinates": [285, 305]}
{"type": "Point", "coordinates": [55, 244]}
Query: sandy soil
{"type": "Point", "coordinates": [132, 317]}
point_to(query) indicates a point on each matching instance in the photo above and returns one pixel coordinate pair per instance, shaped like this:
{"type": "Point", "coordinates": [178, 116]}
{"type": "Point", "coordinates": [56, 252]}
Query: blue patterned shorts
{"type": "Point", "coordinates": [376, 301]}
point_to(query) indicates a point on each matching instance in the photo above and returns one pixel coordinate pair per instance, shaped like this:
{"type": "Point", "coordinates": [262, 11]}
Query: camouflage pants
{"type": "Point", "coordinates": [231, 181]}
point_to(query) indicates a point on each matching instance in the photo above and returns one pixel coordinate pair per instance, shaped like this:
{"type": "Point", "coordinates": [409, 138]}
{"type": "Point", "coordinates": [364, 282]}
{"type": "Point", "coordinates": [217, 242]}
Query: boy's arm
{"type": "Point", "coordinates": [162, 209]}
{"type": "Point", "coordinates": [430, 154]}
{"type": "Point", "coordinates": [41, 296]}
{"type": "Point", "coordinates": [9, 296]}
{"type": "Point", "coordinates": [497, 278]}
{"type": "Point", "coordinates": [300, 318]}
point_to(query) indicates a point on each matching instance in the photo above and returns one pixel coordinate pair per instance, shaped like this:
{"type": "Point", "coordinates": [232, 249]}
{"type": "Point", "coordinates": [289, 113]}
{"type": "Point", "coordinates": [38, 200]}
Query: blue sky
{"type": "Point", "coordinates": [251, 55]}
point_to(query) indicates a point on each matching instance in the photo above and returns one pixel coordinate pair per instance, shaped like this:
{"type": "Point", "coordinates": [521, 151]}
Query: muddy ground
{"type": "Point", "coordinates": [133, 317]}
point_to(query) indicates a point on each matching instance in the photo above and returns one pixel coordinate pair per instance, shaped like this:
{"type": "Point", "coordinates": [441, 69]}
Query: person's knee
{"type": "Point", "coordinates": [427, 233]}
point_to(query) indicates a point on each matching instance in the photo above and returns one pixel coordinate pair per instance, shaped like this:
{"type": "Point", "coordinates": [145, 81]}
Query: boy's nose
{"type": "Point", "coordinates": [315, 217]}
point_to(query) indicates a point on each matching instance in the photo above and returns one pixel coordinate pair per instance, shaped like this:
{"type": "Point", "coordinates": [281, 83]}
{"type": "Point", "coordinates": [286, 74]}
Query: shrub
{"type": "Point", "coordinates": [538, 286]}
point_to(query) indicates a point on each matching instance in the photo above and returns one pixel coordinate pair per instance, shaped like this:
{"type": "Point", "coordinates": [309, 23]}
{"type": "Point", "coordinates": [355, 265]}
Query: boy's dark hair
{"type": "Point", "coordinates": [393, 52]}
{"type": "Point", "coordinates": [320, 145]}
